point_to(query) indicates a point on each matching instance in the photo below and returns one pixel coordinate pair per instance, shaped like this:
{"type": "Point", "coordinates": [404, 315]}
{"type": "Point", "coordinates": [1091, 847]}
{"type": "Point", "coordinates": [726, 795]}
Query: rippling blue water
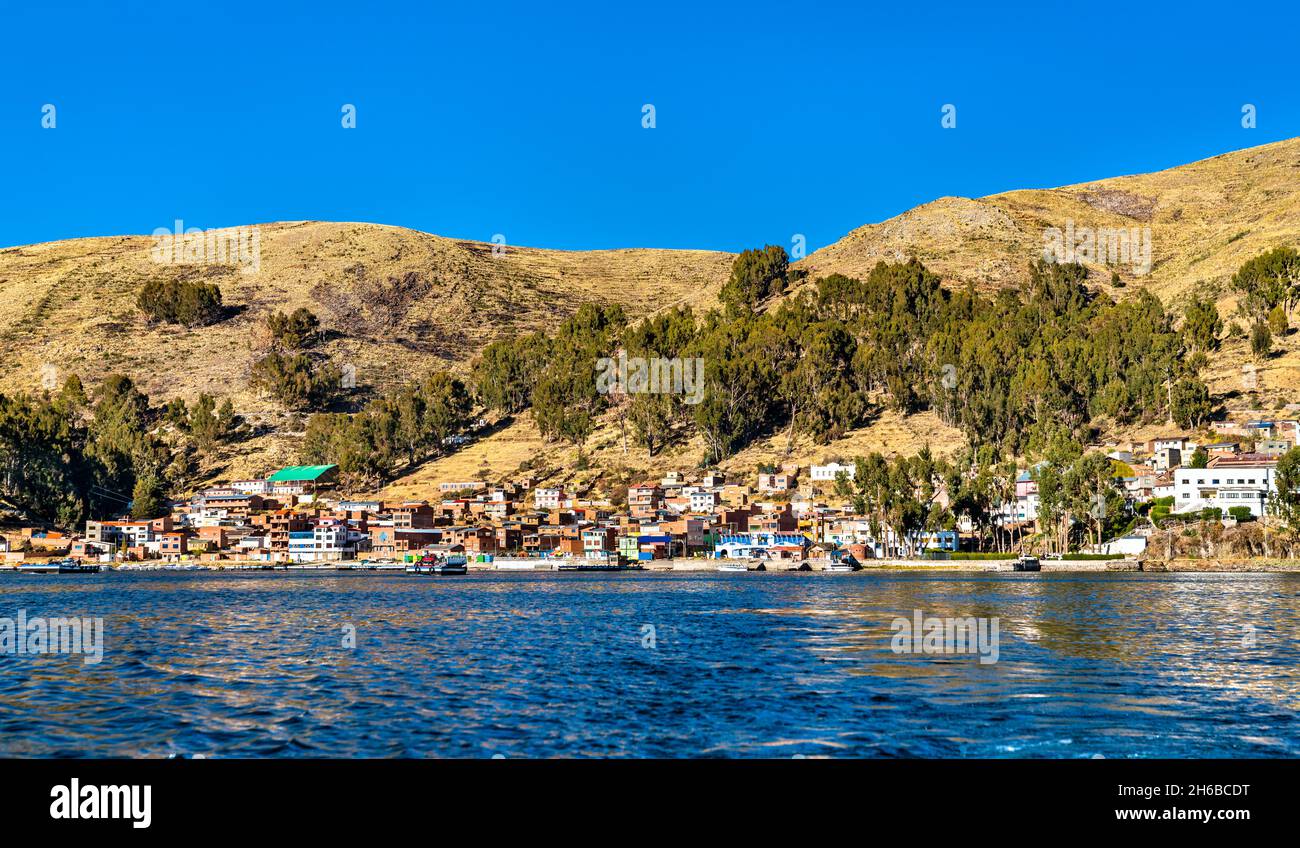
{"type": "Point", "coordinates": [742, 665]}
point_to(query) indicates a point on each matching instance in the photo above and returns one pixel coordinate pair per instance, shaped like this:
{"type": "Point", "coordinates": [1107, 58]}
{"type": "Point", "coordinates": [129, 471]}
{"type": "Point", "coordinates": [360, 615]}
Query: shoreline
{"type": "Point", "coordinates": [700, 566]}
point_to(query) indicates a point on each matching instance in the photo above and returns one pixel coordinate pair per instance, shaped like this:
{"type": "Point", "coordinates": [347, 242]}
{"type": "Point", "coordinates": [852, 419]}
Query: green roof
{"type": "Point", "coordinates": [297, 473]}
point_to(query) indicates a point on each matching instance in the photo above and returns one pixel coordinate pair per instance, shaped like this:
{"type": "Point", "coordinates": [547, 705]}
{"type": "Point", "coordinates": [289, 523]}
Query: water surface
{"type": "Point", "coordinates": [655, 665]}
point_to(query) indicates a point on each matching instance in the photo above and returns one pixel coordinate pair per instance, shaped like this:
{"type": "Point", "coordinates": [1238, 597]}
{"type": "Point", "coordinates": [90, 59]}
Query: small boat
{"type": "Point", "coordinates": [60, 566]}
{"type": "Point", "coordinates": [436, 565]}
{"type": "Point", "coordinates": [1028, 563]}
{"type": "Point", "coordinates": [733, 566]}
{"type": "Point", "coordinates": [837, 566]}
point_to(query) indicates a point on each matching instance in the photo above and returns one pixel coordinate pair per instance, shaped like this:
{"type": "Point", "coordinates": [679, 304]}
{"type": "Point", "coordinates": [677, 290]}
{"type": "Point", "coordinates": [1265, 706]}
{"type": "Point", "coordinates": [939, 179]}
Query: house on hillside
{"type": "Point", "coordinates": [830, 471]}
{"type": "Point", "coordinates": [1227, 481]}
{"type": "Point", "coordinates": [780, 481]}
{"type": "Point", "coordinates": [303, 479]}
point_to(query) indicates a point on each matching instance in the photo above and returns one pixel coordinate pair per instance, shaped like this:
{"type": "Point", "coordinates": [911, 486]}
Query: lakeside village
{"type": "Point", "coordinates": [781, 521]}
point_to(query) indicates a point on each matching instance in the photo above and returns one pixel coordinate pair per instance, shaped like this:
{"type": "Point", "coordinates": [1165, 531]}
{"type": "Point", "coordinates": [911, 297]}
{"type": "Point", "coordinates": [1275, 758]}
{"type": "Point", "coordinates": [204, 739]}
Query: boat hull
{"type": "Point", "coordinates": [438, 570]}
{"type": "Point", "coordinates": [65, 567]}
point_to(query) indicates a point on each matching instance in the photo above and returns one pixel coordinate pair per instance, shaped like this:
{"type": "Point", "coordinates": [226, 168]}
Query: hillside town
{"type": "Point", "coordinates": [790, 517]}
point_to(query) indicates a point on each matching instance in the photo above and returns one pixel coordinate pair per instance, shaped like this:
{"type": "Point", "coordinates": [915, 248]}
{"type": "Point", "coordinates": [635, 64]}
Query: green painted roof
{"type": "Point", "coordinates": [295, 473]}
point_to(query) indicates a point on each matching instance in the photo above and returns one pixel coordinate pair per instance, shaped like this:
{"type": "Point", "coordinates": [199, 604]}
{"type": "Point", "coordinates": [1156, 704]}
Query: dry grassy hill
{"type": "Point", "coordinates": [69, 306]}
{"type": "Point", "coordinates": [1206, 219]}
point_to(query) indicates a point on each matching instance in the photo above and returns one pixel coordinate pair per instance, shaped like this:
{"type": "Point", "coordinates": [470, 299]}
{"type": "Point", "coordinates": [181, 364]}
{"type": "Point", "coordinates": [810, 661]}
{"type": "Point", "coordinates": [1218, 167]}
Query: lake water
{"type": "Point", "coordinates": [655, 665]}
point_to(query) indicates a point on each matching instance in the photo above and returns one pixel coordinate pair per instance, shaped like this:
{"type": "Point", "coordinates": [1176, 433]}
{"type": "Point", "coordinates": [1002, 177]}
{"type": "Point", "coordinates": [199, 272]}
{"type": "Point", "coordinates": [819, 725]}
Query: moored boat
{"type": "Point", "coordinates": [60, 566]}
{"type": "Point", "coordinates": [439, 565]}
{"type": "Point", "coordinates": [594, 565]}
{"type": "Point", "coordinates": [732, 566]}
{"type": "Point", "coordinates": [1028, 563]}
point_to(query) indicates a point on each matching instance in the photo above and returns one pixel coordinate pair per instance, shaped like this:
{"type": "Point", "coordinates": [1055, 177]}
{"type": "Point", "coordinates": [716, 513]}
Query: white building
{"type": "Point", "coordinates": [704, 501]}
{"type": "Point", "coordinates": [548, 498]}
{"type": "Point", "coordinates": [330, 540]}
{"type": "Point", "coordinates": [1227, 481]}
{"type": "Point", "coordinates": [1126, 546]}
{"type": "Point", "coordinates": [1177, 443]}
{"type": "Point", "coordinates": [828, 472]}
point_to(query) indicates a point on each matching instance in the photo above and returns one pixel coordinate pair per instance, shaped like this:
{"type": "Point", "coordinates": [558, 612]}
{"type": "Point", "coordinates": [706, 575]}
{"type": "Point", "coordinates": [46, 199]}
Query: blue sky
{"type": "Point", "coordinates": [526, 119]}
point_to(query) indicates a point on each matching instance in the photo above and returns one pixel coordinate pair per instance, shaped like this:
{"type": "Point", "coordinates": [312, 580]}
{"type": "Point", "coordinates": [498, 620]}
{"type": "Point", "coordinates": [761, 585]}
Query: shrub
{"type": "Point", "coordinates": [297, 331]}
{"type": "Point", "coordinates": [191, 304]}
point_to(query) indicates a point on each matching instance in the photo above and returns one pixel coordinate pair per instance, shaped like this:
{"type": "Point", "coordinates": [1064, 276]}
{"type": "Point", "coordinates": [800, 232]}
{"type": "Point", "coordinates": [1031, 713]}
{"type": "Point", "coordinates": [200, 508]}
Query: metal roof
{"type": "Point", "coordinates": [299, 473]}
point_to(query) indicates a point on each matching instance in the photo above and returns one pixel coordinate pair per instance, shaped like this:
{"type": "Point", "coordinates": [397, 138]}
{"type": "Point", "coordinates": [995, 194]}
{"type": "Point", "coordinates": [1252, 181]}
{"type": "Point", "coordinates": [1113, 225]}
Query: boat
{"type": "Point", "coordinates": [60, 566]}
{"type": "Point", "coordinates": [1028, 563]}
{"type": "Point", "coordinates": [594, 565]}
{"type": "Point", "coordinates": [837, 566]}
{"type": "Point", "coordinates": [732, 566]}
{"type": "Point", "coordinates": [439, 565]}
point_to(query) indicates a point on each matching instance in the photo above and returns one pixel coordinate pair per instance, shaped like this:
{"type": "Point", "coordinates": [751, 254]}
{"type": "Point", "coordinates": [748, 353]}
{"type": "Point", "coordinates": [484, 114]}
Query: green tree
{"type": "Point", "coordinates": [1190, 400]}
{"type": "Point", "coordinates": [1277, 321]}
{"type": "Point", "coordinates": [756, 275]}
{"type": "Point", "coordinates": [1285, 499]}
{"type": "Point", "coordinates": [1202, 325]}
{"type": "Point", "coordinates": [1267, 281]}
{"type": "Point", "coordinates": [148, 497]}
{"type": "Point", "coordinates": [1261, 340]}
{"type": "Point", "coordinates": [296, 380]}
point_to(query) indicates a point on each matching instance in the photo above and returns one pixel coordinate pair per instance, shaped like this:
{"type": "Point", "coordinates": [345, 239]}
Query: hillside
{"type": "Point", "coordinates": [71, 305]}
{"type": "Point", "coordinates": [68, 306]}
{"type": "Point", "coordinates": [1206, 219]}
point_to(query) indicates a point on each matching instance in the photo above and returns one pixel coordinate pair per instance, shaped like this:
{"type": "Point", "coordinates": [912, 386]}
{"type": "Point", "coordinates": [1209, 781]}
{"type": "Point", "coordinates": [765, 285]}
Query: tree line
{"type": "Point", "coordinates": [66, 457]}
{"type": "Point", "coordinates": [1010, 369]}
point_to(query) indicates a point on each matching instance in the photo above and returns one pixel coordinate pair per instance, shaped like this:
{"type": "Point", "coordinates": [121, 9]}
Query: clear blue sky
{"type": "Point", "coordinates": [525, 119]}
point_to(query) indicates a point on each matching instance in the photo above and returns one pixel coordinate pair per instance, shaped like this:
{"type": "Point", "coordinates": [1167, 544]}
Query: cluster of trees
{"type": "Point", "coordinates": [186, 302]}
{"type": "Point", "coordinates": [1269, 287]}
{"type": "Point", "coordinates": [292, 372]}
{"type": "Point", "coordinates": [297, 380]}
{"type": "Point", "coordinates": [1077, 496]}
{"type": "Point", "coordinates": [208, 423]}
{"type": "Point", "coordinates": [899, 497]}
{"type": "Point", "coordinates": [65, 458]}
{"type": "Point", "coordinates": [1009, 370]}
{"type": "Point", "coordinates": [756, 276]}
{"type": "Point", "coordinates": [418, 421]}
{"type": "Point", "coordinates": [554, 374]}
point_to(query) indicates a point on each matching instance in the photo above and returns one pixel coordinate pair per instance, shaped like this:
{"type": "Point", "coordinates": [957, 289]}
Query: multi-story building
{"type": "Point", "coordinates": [644, 501]}
{"type": "Point", "coordinates": [548, 498]}
{"type": "Point", "coordinates": [1226, 481]}
{"type": "Point", "coordinates": [412, 514]}
{"type": "Point", "coordinates": [133, 533]}
{"type": "Point", "coordinates": [780, 481]}
{"type": "Point", "coordinates": [280, 524]}
{"type": "Point", "coordinates": [762, 545]}
{"type": "Point", "coordinates": [389, 541]}
{"type": "Point", "coordinates": [705, 501]}
{"type": "Point", "coordinates": [598, 541]}
{"type": "Point", "coordinates": [251, 487]}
